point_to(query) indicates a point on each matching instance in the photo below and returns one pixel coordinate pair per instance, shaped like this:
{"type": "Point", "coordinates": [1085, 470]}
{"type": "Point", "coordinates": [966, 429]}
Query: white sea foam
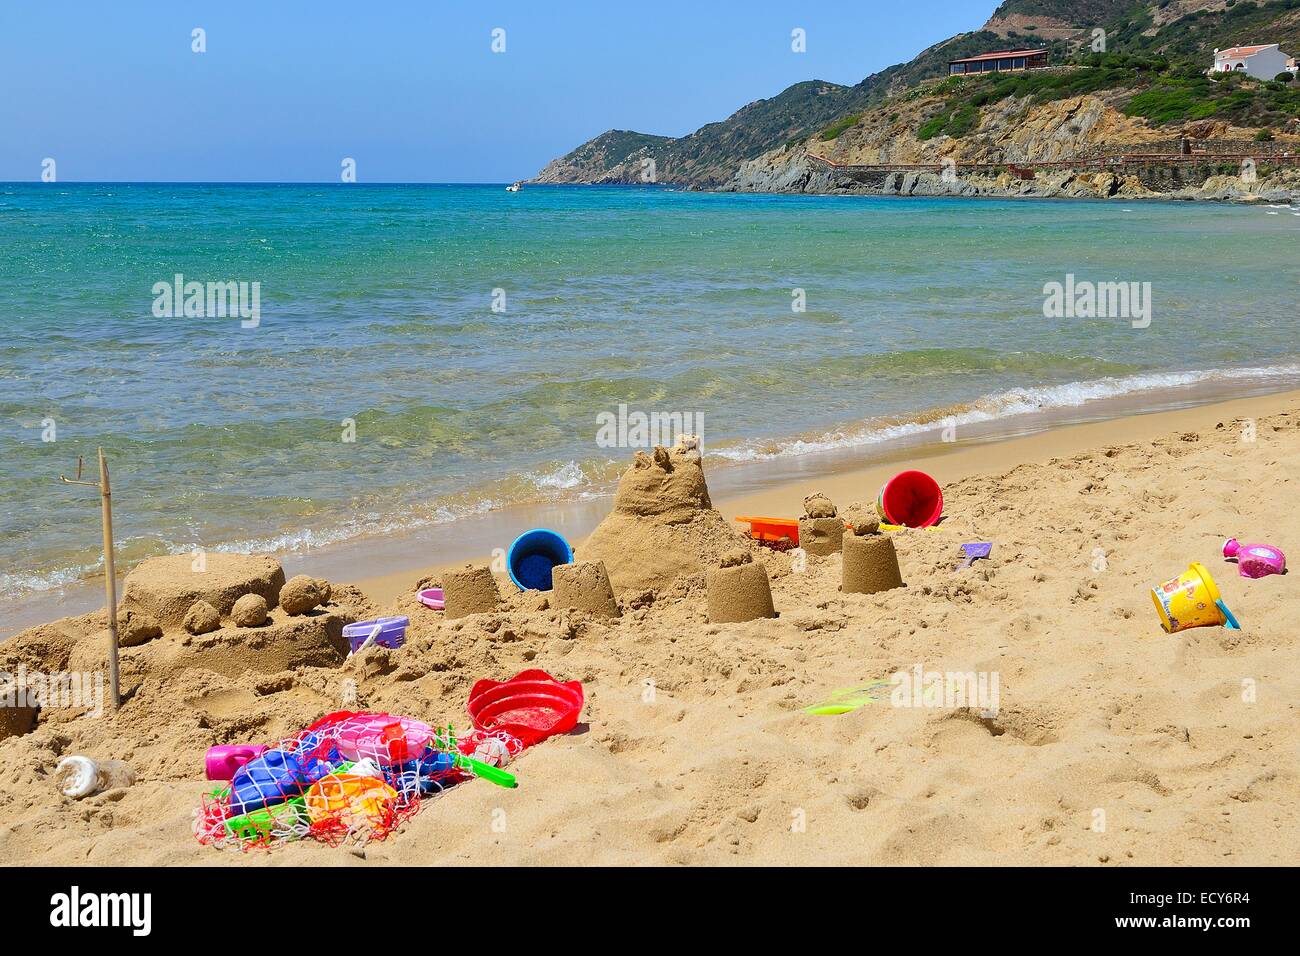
{"type": "Point", "coordinates": [1021, 401]}
{"type": "Point", "coordinates": [297, 542]}
{"type": "Point", "coordinates": [17, 584]}
{"type": "Point", "coordinates": [567, 476]}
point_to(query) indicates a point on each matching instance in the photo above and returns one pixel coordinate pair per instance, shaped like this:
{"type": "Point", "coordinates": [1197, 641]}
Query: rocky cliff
{"type": "Point", "coordinates": [913, 114]}
{"type": "Point", "coordinates": [1012, 133]}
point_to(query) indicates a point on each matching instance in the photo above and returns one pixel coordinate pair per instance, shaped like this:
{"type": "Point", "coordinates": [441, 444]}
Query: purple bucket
{"type": "Point", "coordinates": [392, 632]}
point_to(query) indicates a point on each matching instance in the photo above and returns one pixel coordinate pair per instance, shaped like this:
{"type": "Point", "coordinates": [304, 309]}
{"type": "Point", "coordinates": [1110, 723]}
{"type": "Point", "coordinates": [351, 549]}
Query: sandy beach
{"type": "Point", "coordinates": [1113, 742]}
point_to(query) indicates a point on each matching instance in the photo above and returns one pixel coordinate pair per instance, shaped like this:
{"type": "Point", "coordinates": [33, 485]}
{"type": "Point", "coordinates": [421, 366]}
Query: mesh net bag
{"type": "Point", "coordinates": [349, 777]}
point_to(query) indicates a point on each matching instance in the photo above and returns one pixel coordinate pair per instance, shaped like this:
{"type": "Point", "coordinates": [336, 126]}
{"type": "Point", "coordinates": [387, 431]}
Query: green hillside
{"type": "Point", "coordinates": [1156, 72]}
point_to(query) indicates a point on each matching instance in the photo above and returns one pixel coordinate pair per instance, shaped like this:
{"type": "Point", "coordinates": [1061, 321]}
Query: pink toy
{"type": "Point", "coordinates": [223, 760]}
{"type": "Point", "coordinates": [385, 739]}
{"type": "Point", "coordinates": [1255, 560]}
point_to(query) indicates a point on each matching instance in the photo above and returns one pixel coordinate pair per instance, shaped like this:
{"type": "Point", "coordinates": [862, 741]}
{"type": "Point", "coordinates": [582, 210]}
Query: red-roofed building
{"type": "Point", "coordinates": [1262, 61]}
{"type": "Point", "coordinates": [999, 61]}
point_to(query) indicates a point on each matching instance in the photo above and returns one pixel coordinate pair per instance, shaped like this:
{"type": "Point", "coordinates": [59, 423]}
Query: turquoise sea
{"type": "Point", "coordinates": [377, 309]}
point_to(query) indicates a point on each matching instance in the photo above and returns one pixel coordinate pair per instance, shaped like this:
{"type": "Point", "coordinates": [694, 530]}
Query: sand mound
{"type": "Point", "coordinates": [663, 524]}
{"type": "Point", "coordinates": [166, 588]}
{"type": "Point", "coordinates": [278, 642]}
{"type": "Point", "coordinates": [282, 643]}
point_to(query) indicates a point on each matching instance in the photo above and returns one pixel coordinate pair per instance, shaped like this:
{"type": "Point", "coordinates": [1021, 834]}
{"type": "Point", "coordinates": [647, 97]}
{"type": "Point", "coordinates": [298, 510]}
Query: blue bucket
{"type": "Point", "coordinates": [533, 554]}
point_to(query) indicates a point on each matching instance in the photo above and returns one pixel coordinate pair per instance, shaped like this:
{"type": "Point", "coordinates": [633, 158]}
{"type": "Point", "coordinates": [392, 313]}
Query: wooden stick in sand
{"type": "Point", "coordinates": [110, 577]}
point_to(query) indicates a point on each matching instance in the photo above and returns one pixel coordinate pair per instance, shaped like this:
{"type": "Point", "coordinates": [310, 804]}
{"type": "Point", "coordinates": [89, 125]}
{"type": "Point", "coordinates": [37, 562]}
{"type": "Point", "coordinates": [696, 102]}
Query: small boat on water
{"type": "Point", "coordinates": [513, 188]}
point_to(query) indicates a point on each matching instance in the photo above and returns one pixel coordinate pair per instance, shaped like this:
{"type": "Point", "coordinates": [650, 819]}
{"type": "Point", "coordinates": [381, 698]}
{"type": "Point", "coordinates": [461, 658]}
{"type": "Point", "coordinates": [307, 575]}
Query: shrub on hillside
{"type": "Point", "coordinates": [835, 129]}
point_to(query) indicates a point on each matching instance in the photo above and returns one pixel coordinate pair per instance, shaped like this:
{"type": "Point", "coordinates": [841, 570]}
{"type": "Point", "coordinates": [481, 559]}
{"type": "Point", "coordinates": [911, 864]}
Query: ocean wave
{"type": "Point", "coordinates": [590, 478]}
{"type": "Point", "coordinates": [297, 542]}
{"type": "Point", "coordinates": [567, 476]}
{"type": "Point", "coordinates": [14, 585]}
{"type": "Point", "coordinates": [543, 485]}
{"type": "Point", "coordinates": [587, 480]}
{"type": "Point", "coordinates": [1008, 404]}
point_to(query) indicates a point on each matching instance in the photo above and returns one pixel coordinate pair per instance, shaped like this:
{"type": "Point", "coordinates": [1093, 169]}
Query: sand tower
{"type": "Point", "coordinates": [663, 524]}
{"type": "Point", "coordinates": [739, 590]}
{"type": "Point", "coordinates": [870, 561]}
{"type": "Point", "coordinates": [470, 590]}
{"type": "Point", "coordinates": [821, 530]}
{"type": "Point", "coordinates": [584, 586]}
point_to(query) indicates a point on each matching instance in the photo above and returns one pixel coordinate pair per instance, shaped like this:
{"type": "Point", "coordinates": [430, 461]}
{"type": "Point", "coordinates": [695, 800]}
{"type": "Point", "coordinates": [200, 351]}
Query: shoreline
{"type": "Point", "coordinates": [1154, 197]}
{"type": "Point", "coordinates": [982, 191]}
{"type": "Point", "coordinates": [948, 463]}
{"type": "Point", "coordinates": [397, 560]}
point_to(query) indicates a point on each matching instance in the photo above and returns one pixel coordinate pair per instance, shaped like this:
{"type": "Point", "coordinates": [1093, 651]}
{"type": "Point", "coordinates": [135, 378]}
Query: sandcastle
{"type": "Point", "coordinates": [663, 524]}
{"type": "Point", "coordinates": [470, 590]}
{"type": "Point", "coordinates": [201, 618]}
{"type": "Point", "coordinates": [279, 645]}
{"type": "Point", "coordinates": [228, 614]}
{"type": "Point", "coordinates": [821, 530]}
{"type": "Point", "coordinates": [166, 588]}
{"type": "Point", "coordinates": [870, 561]}
{"type": "Point", "coordinates": [738, 590]}
{"type": "Point", "coordinates": [584, 586]}
{"type": "Point", "coordinates": [135, 628]}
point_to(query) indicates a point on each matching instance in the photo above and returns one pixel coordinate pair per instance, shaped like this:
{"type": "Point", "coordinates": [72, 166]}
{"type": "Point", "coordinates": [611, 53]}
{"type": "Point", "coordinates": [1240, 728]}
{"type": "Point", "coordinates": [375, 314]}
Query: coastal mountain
{"type": "Point", "coordinates": [709, 156]}
{"type": "Point", "coordinates": [1124, 72]}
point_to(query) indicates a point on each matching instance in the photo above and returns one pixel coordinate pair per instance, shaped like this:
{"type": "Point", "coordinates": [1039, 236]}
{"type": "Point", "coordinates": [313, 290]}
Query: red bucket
{"type": "Point", "coordinates": [912, 499]}
{"type": "Point", "coordinates": [532, 706]}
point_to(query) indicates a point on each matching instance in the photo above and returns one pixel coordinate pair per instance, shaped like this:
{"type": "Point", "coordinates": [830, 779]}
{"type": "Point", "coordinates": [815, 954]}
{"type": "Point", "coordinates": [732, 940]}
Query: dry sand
{"type": "Point", "coordinates": [1115, 743]}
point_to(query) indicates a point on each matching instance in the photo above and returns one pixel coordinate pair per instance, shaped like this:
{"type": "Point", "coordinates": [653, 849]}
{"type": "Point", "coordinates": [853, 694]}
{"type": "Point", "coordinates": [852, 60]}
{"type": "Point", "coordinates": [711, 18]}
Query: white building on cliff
{"type": "Point", "coordinates": [1262, 61]}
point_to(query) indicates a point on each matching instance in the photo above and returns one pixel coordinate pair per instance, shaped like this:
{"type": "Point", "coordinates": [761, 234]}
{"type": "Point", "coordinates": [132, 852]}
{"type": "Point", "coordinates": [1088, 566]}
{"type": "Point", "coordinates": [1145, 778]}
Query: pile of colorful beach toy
{"type": "Point", "coordinates": [355, 776]}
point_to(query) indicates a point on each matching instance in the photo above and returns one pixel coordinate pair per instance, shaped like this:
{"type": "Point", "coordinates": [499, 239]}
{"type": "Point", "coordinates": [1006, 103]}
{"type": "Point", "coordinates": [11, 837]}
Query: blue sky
{"type": "Point", "coordinates": [410, 88]}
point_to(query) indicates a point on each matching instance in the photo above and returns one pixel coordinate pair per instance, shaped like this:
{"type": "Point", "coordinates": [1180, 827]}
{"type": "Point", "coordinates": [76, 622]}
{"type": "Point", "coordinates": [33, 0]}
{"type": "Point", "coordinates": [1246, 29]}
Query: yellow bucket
{"type": "Point", "coordinates": [1189, 600]}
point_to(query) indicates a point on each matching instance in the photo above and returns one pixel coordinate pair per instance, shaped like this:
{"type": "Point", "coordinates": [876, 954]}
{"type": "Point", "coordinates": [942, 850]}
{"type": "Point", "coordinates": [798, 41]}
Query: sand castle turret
{"type": "Point", "coordinates": [739, 590]}
{"type": "Point", "coordinates": [470, 590]}
{"type": "Point", "coordinates": [584, 586]}
{"type": "Point", "coordinates": [663, 524]}
{"type": "Point", "coordinates": [870, 561]}
{"type": "Point", "coordinates": [821, 530]}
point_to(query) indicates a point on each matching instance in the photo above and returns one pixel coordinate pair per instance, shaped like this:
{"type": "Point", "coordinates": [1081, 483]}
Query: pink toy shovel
{"type": "Point", "coordinates": [1255, 560]}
